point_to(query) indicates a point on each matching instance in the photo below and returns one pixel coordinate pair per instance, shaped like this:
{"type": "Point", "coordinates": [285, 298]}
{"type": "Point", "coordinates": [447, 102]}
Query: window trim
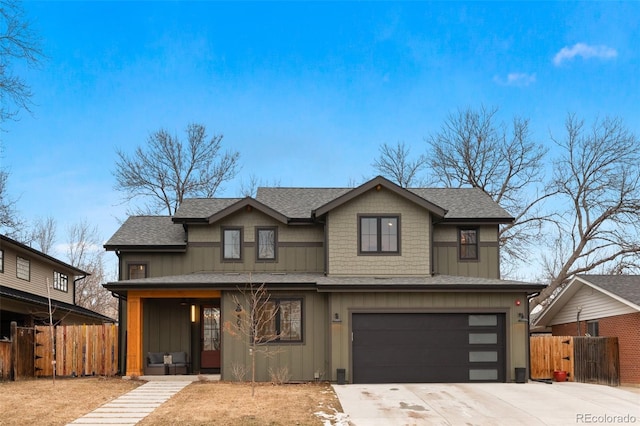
{"type": "Point", "coordinates": [223, 230]}
{"type": "Point", "coordinates": [18, 259]}
{"type": "Point", "coordinates": [278, 324]}
{"type": "Point", "coordinates": [63, 281]}
{"type": "Point", "coordinates": [476, 258]}
{"type": "Point", "coordinates": [1, 261]}
{"type": "Point", "coordinates": [379, 251]}
{"type": "Point", "coordinates": [146, 269]}
{"type": "Point", "coordinates": [275, 244]}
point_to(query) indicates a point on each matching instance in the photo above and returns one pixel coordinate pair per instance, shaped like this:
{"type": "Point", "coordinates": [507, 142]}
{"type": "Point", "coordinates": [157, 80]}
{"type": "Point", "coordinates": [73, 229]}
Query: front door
{"type": "Point", "coordinates": [210, 339]}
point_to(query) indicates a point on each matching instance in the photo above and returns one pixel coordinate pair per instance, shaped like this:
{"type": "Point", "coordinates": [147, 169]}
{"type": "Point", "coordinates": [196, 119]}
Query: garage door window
{"type": "Point", "coordinates": [483, 375]}
{"type": "Point", "coordinates": [483, 356]}
{"type": "Point", "coordinates": [483, 320]}
{"type": "Point", "coordinates": [483, 338]}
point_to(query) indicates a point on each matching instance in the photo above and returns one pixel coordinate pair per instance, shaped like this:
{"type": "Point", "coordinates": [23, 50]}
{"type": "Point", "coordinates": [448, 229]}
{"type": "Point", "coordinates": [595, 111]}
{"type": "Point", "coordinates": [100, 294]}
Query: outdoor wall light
{"type": "Point", "coordinates": [238, 313]}
{"type": "Point", "coordinates": [336, 318]}
{"type": "Point", "coordinates": [193, 313]}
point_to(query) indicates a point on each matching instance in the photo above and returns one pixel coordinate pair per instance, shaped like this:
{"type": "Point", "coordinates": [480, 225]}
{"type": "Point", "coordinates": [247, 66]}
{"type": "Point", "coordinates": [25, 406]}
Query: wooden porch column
{"type": "Point", "coordinates": [134, 336]}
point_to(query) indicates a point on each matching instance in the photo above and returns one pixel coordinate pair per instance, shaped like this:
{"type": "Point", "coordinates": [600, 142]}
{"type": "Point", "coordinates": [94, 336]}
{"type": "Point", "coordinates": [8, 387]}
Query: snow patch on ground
{"type": "Point", "coordinates": [334, 419]}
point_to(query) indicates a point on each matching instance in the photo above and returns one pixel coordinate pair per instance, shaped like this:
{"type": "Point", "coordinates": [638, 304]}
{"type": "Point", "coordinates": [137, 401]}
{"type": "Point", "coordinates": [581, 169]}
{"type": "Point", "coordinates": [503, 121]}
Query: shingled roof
{"type": "Point", "coordinates": [464, 203]}
{"type": "Point", "coordinates": [148, 231]}
{"type": "Point", "coordinates": [624, 286]}
{"type": "Point", "coordinates": [298, 202]}
{"type": "Point", "coordinates": [201, 208]}
{"type": "Point", "coordinates": [455, 204]}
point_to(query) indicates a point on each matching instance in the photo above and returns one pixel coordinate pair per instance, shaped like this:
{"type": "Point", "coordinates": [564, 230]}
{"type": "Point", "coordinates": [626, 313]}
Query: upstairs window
{"type": "Point", "coordinates": [468, 243]}
{"type": "Point", "coordinates": [232, 244]}
{"type": "Point", "coordinates": [23, 268]}
{"type": "Point", "coordinates": [60, 281]}
{"type": "Point", "coordinates": [1, 261]}
{"type": "Point", "coordinates": [266, 238]}
{"type": "Point", "coordinates": [137, 270]}
{"type": "Point", "coordinates": [379, 234]}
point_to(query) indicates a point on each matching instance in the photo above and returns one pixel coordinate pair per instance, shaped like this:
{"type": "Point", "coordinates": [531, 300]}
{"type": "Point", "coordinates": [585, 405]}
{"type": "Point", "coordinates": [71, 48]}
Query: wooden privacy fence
{"type": "Point", "coordinates": [597, 360]}
{"type": "Point", "coordinates": [16, 354]}
{"type": "Point", "coordinates": [585, 359]}
{"type": "Point", "coordinates": [80, 350]}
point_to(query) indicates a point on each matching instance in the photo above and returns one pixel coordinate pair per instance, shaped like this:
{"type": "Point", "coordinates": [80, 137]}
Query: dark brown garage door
{"type": "Point", "coordinates": [428, 348]}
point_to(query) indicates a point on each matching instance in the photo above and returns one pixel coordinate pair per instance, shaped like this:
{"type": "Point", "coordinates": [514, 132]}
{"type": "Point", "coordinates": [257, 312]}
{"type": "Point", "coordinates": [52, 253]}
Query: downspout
{"type": "Point", "coordinates": [75, 281]}
{"type": "Point", "coordinates": [579, 309]}
{"type": "Point", "coordinates": [123, 351]}
{"type": "Point", "coordinates": [528, 339]}
{"type": "Point", "coordinates": [431, 247]}
{"type": "Point", "coordinates": [122, 341]}
{"type": "Point", "coordinates": [325, 222]}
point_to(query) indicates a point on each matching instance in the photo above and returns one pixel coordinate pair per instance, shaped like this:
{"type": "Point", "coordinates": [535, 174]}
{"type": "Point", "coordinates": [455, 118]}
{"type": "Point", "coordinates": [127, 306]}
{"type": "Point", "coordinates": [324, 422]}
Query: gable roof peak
{"type": "Point", "coordinates": [378, 183]}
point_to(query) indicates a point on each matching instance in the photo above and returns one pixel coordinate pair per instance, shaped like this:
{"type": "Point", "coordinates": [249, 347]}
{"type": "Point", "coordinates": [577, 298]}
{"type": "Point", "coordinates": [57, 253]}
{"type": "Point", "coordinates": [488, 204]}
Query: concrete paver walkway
{"type": "Point", "coordinates": [133, 406]}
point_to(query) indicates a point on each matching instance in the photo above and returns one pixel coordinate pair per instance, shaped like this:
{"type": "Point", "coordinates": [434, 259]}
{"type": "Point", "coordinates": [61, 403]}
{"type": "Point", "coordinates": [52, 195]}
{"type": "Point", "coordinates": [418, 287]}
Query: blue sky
{"type": "Point", "coordinates": [306, 92]}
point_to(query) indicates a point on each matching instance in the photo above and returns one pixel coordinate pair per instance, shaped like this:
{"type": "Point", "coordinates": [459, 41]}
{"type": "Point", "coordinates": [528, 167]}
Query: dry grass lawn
{"type": "Point", "coordinates": [40, 402]}
{"type": "Point", "coordinates": [224, 403]}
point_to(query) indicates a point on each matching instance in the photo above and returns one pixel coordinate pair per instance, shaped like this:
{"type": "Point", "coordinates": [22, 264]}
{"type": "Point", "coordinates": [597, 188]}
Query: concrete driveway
{"type": "Point", "coordinates": [510, 404]}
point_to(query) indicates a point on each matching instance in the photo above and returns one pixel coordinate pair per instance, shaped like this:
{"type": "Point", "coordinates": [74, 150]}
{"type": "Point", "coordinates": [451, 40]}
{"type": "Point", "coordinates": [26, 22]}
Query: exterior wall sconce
{"type": "Point", "coordinates": [521, 317]}
{"type": "Point", "coordinates": [238, 313]}
{"type": "Point", "coordinates": [336, 318]}
{"type": "Point", "coordinates": [193, 313]}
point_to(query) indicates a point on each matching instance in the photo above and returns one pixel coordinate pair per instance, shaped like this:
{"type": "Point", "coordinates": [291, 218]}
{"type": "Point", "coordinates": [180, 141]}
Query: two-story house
{"type": "Point", "coordinates": [376, 284]}
{"type": "Point", "coordinates": [29, 279]}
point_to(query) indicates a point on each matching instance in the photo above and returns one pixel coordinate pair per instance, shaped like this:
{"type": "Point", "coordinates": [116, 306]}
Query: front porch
{"type": "Point", "coordinates": [173, 321]}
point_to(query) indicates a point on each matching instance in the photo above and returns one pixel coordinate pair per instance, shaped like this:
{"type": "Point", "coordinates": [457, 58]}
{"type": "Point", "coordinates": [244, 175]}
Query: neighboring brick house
{"type": "Point", "coordinates": [24, 297]}
{"type": "Point", "coordinates": [600, 305]}
{"type": "Point", "coordinates": [374, 284]}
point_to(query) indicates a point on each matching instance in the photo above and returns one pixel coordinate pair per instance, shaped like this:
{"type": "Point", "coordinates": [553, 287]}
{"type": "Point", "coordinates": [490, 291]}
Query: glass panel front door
{"type": "Point", "coordinates": [210, 351]}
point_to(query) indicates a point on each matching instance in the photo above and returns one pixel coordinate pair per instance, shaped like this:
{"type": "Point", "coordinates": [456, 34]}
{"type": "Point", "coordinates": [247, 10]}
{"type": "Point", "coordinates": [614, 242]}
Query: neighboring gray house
{"type": "Point", "coordinates": [24, 297]}
{"type": "Point", "coordinates": [376, 283]}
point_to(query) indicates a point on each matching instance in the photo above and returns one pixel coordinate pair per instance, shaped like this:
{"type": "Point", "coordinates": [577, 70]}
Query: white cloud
{"type": "Point", "coordinates": [516, 79]}
{"type": "Point", "coordinates": [585, 51]}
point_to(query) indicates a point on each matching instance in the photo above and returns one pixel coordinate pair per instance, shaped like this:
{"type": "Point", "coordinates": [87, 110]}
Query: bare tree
{"type": "Point", "coordinates": [44, 234]}
{"type": "Point", "coordinates": [597, 181]}
{"type": "Point", "coordinates": [396, 164]}
{"type": "Point", "coordinates": [84, 252]}
{"type": "Point", "coordinates": [166, 170]}
{"type": "Point", "coordinates": [18, 43]}
{"type": "Point", "coordinates": [10, 222]}
{"type": "Point", "coordinates": [474, 149]}
{"type": "Point", "coordinates": [250, 189]}
{"type": "Point", "coordinates": [254, 324]}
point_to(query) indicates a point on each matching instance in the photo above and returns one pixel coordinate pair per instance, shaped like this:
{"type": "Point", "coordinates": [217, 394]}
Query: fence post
{"type": "Point", "coordinates": [13, 335]}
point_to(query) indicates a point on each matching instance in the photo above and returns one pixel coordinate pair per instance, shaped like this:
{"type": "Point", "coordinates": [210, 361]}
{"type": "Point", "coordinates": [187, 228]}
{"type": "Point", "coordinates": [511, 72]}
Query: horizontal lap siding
{"type": "Point", "coordinates": [40, 273]}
